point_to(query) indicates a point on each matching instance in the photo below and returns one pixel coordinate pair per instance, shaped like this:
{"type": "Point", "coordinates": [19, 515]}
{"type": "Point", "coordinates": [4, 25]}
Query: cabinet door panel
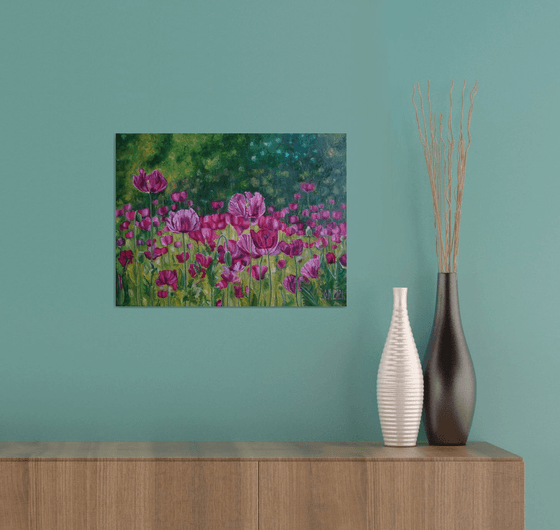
{"type": "Point", "coordinates": [141, 495]}
{"type": "Point", "coordinates": [313, 496]}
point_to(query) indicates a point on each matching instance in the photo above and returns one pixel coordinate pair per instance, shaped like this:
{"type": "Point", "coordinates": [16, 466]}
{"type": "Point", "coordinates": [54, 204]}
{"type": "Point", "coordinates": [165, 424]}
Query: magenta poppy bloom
{"type": "Point", "coordinates": [219, 303]}
{"type": "Point", "coordinates": [290, 283]}
{"type": "Point", "coordinates": [331, 258]}
{"type": "Point", "coordinates": [258, 272]}
{"type": "Point", "coordinates": [125, 258]}
{"type": "Point", "coordinates": [167, 240]}
{"type": "Point", "coordinates": [152, 183]}
{"type": "Point", "coordinates": [238, 291]}
{"type": "Point", "coordinates": [167, 278]}
{"type": "Point", "coordinates": [265, 239]}
{"type": "Point", "coordinates": [163, 210]}
{"type": "Point", "coordinates": [130, 215]}
{"type": "Point", "coordinates": [140, 242]}
{"type": "Point", "coordinates": [281, 264]}
{"type": "Point", "coordinates": [120, 241]}
{"type": "Point", "coordinates": [124, 226]}
{"type": "Point", "coordinates": [311, 268]}
{"type": "Point", "coordinates": [293, 206]}
{"type": "Point", "coordinates": [162, 294]}
{"type": "Point", "coordinates": [127, 206]}
{"type": "Point", "coordinates": [294, 219]}
{"type": "Point", "coordinates": [321, 206]}
{"type": "Point", "coordinates": [230, 276]}
{"type": "Point", "coordinates": [217, 204]}
{"type": "Point", "coordinates": [322, 242]}
{"type": "Point", "coordinates": [248, 206]}
{"type": "Point", "coordinates": [342, 260]}
{"type": "Point", "coordinates": [246, 245]}
{"type": "Point", "coordinates": [156, 221]}
{"type": "Point", "coordinates": [337, 214]}
{"type": "Point", "coordinates": [183, 221]}
{"type": "Point", "coordinates": [325, 214]}
{"type": "Point", "coordinates": [119, 213]}
{"type": "Point", "coordinates": [308, 186]}
{"type": "Point", "coordinates": [343, 206]}
{"type": "Point", "coordinates": [177, 244]}
{"type": "Point", "coordinates": [305, 213]}
{"type": "Point", "coordinates": [129, 235]}
{"type": "Point", "coordinates": [144, 212]}
{"type": "Point", "coordinates": [154, 202]}
{"type": "Point", "coordinates": [179, 196]}
{"type": "Point", "coordinates": [203, 260]}
{"type": "Point", "coordinates": [182, 257]}
{"type": "Point", "coordinates": [293, 249]}
{"type": "Point", "coordinates": [297, 196]}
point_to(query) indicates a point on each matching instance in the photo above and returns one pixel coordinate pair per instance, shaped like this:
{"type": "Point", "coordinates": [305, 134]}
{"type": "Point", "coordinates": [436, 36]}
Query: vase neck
{"type": "Point", "coordinates": [447, 302]}
{"type": "Point", "coordinates": [399, 297]}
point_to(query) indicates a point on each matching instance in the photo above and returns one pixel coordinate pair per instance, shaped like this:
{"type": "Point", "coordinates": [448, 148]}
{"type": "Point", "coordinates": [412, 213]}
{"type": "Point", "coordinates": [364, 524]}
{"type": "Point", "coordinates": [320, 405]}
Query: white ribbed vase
{"type": "Point", "coordinates": [400, 382]}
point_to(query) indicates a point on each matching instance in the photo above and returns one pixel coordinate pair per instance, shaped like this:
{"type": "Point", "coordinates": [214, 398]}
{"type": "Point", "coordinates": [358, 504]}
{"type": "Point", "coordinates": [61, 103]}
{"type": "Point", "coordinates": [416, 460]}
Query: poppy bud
{"type": "Point", "coordinates": [228, 259]}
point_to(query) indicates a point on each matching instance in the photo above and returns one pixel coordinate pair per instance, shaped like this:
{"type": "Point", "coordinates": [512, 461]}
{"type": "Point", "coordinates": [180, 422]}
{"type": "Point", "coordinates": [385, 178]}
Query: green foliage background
{"type": "Point", "coordinates": [212, 167]}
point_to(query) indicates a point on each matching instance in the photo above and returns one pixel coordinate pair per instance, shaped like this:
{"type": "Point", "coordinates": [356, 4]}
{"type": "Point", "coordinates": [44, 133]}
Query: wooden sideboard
{"type": "Point", "coordinates": [258, 486]}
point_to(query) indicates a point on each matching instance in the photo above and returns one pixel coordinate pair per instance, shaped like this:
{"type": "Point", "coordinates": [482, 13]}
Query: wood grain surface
{"type": "Point", "coordinates": [128, 495]}
{"type": "Point", "coordinates": [258, 486]}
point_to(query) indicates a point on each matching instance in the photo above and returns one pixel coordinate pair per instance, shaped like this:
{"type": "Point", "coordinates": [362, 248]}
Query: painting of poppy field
{"type": "Point", "coordinates": [231, 220]}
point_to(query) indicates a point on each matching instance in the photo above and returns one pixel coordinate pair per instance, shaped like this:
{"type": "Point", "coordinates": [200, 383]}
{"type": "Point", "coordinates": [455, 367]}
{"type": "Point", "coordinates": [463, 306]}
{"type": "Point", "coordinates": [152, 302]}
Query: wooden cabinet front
{"type": "Point", "coordinates": [128, 495]}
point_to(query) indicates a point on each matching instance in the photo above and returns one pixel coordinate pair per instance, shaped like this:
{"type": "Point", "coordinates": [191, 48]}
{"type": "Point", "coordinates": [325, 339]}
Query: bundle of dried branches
{"type": "Point", "coordinates": [439, 161]}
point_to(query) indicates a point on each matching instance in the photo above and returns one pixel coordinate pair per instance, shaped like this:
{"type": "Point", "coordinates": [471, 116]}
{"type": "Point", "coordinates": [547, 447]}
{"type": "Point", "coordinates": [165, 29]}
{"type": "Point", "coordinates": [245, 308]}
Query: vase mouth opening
{"type": "Point", "coordinates": [399, 296]}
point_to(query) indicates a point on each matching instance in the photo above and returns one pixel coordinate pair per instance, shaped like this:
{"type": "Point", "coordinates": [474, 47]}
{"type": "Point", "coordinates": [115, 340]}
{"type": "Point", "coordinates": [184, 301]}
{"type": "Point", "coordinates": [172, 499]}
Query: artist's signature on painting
{"type": "Point", "coordinates": [333, 294]}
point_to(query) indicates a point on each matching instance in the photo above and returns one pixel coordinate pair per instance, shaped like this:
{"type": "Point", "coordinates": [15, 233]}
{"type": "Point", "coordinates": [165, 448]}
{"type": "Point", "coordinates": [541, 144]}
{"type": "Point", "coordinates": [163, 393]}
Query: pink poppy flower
{"type": "Point", "coordinates": [140, 242]}
{"type": "Point", "coordinates": [124, 226]}
{"type": "Point", "coordinates": [322, 242]}
{"type": "Point", "coordinates": [204, 235]}
{"type": "Point", "coordinates": [167, 278]}
{"type": "Point", "coordinates": [130, 215]}
{"type": "Point", "coordinates": [144, 212]}
{"type": "Point", "coordinates": [305, 213]}
{"type": "Point", "coordinates": [119, 213]}
{"type": "Point", "coordinates": [230, 276]}
{"type": "Point", "coordinates": [311, 268]}
{"type": "Point", "coordinates": [155, 221]}
{"type": "Point", "coordinates": [290, 283]}
{"type": "Point", "coordinates": [343, 206]}
{"type": "Point", "coordinates": [331, 258]}
{"type": "Point", "coordinates": [331, 201]}
{"type": "Point", "coordinates": [154, 202]}
{"type": "Point", "coordinates": [163, 210]}
{"type": "Point", "coordinates": [258, 272]}
{"type": "Point", "coordinates": [321, 206]}
{"type": "Point", "coordinates": [129, 235]}
{"type": "Point", "coordinates": [152, 183]}
{"type": "Point", "coordinates": [120, 241]}
{"type": "Point", "coordinates": [337, 214]}
{"type": "Point", "coordinates": [325, 214]}
{"type": "Point", "coordinates": [293, 249]}
{"type": "Point", "coordinates": [238, 291]}
{"type": "Point", "coordinates": [166, 240]}
{"type": "Point", "coordinates": [183, 221]}
{"type": "Point", "coordinates": [334, 247]}
{"type": "Point", "coordinates": [293, 206]}
{"type": "Point", "coordinates": [314, 208]}
{"type": "Point", "coordinates": [125, 258]}
{"type": "Point", "coordinates": [182, 257]}
{"type": "Point", "coordinates": [159, 233]}
{"type": "Point", "coordinates": [248, 206]}
{"type": "Point", "coordinates": [307, 186]}
{"type": "Point", "coordinates": [162, 294]}
{"type": "Point", "coordinates": [281, 264]}
{"type": "Point", "coordinates": [179, 196]}
{"type": "Point", "coordinates": [203, 260]}
{"type": "Point", "coordinates": [265, 239]}
{"type": "Point", "coordinates": [127, 206]}
{"type": "Point", "coordinates": [177, 244]}
{"type": "Point", "coordinates": [297, 196]}
{"type": "Point", "coordinates": [190, 203]}
{"type": "Point", "coordinates": [342, 260]}
{"type": "Point", "coordinates": [217, 204]}
{"type": "Point", "coordinates": [173, 207]}
{"type": "Point", "coordinates": [245, 244]}
{"type": "Point", "coordinates": [219, 303]}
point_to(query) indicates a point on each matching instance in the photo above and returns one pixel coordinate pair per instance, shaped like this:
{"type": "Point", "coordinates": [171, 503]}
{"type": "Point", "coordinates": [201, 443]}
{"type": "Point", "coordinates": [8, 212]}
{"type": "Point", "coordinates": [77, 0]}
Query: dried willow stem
{"type": "Point", "coordinates": [447, 222]}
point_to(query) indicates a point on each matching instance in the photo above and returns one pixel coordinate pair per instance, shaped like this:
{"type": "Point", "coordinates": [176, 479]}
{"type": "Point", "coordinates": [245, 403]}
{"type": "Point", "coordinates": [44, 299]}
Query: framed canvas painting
{"type": "Point", "coordinates": [231, 220]}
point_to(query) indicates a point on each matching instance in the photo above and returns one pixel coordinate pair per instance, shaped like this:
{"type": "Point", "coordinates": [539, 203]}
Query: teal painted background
{"type": "Point", "coordinates": [74, 367]}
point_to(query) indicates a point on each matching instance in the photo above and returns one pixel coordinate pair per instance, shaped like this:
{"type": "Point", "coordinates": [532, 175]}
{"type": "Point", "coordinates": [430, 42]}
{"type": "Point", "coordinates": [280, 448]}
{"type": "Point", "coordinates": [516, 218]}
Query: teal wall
{"type": "Point", "coordinates": [75, 367]}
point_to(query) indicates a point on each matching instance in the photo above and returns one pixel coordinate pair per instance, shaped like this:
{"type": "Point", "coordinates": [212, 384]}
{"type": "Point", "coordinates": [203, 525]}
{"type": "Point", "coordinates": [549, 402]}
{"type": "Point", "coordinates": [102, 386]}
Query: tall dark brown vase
{"type": "Point", "coordinates": [449, 379]}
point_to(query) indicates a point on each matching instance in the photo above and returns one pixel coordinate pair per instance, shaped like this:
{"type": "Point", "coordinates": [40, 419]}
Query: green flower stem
{"type": "Point", "coordinates": [151, 251]}
{"type": "Point", "coordinates": [295, 265]}
{"type": "Point", "coordinates": [250, 267]}
{"type": "Point", "coordinates": [260, 281]}
{"type": "Point", "coordinates": [138, 302]}
{"type": "Point", "coordinates": [184, 249]}
{"type": "Point", "coordinates": [271, 303]}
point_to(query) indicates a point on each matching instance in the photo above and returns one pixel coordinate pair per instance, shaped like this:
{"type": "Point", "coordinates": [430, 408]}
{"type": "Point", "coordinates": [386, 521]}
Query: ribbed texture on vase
{"type": "Point", "coordinates": [400, 384]}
